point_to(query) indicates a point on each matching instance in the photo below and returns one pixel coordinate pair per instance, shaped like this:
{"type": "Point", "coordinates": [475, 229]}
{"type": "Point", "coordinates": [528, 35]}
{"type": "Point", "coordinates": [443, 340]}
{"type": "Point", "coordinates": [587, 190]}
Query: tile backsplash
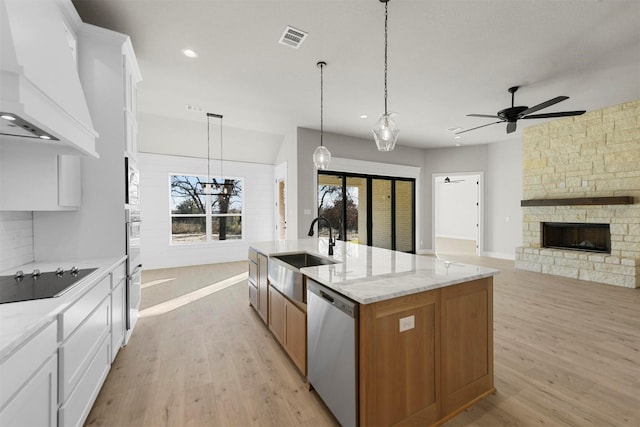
{"type": "Point", "coordinates": [16, 239]}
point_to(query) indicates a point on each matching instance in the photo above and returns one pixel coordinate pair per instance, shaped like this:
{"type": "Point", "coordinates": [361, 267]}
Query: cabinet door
{"type": "Point", "coordinates": [37, 402]}
{"type": "Point", "coordinates": [399, 360]}
{"type": "Point", "coordinates": [467, 343]}
{"type": "Point", "coordinates": [262, 287]}
{"type": "Point", "coordinates": [276, 314]}
{"type": "Point", "coordinates": [35, 178]}
{"type": "Point", "coordinates": [117, 318]}
{"type": "Point", "coordinates": [69, 181]}
{"type": "Point", "coordinates": [295, 341]}
{"type": "Point", "coordinates": [131, 135]}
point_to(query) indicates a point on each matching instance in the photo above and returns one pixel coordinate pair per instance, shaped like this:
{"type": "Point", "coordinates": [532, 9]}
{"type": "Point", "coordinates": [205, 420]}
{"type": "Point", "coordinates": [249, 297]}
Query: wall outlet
{"type": "Point", "coordinates": [407, 323]}
{"type": "Point", "coordinates": [585, 183]}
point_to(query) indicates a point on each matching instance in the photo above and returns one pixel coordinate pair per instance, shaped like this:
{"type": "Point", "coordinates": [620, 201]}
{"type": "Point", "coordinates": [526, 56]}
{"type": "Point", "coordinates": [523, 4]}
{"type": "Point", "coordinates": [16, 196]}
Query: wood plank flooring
{"type": "Point", "coordinates": [567, 353]}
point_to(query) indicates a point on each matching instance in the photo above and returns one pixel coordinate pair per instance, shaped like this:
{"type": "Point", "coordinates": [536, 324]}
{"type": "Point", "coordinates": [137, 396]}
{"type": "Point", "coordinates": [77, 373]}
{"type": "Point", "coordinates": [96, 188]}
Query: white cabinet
{"type": "Point", "coordinates": [28, 376]}
{"type": "Point", "coordinates": [36, 178]}
{"type": "Point", "coordinates": [118, 309]}
{"type": "Point", "coordinates": [84, 356]}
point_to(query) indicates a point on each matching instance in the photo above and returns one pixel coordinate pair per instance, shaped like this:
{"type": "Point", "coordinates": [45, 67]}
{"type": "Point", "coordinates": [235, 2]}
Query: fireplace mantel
{"type": "Point", "coordinates": [620, 200]}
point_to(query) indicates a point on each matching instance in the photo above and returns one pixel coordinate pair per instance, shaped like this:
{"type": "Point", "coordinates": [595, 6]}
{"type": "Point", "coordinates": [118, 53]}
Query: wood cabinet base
{"type": "Point", "coordinates": [426, 357]}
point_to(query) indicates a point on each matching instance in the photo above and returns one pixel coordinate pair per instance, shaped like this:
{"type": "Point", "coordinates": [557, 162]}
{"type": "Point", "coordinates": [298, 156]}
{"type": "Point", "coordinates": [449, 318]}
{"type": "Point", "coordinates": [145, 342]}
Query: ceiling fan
{"type": "Point", "coordinates": [512, 114]}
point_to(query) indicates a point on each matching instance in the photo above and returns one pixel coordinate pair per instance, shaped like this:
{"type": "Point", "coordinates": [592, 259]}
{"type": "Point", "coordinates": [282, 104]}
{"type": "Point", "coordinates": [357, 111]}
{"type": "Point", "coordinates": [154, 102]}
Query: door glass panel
{"type": "Point", "coordinates": [404, 216]}
{"type": "Point", "coordinates": [330, 204]}
{"type": "Point", "coordinates": [381, 213]}
{"type": "Point", "coordinates": [356, 210]}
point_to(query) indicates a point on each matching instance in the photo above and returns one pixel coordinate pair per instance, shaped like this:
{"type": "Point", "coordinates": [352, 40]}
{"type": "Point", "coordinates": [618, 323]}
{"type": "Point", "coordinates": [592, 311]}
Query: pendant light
{"type": "Point", "coordinates": [385, 132]}
{"type": "Point", "coordinates": [209, 187]}
{"type": "Point", "coordinates": [322, 156]}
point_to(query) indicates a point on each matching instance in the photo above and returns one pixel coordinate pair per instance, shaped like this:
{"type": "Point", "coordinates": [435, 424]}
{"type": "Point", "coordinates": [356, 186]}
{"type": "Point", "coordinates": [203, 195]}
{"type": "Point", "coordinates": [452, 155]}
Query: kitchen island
{"type": "Point", "coordinates": [424, 329]}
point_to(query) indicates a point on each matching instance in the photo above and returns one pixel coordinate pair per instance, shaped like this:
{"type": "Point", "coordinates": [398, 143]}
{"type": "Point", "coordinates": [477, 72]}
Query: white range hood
{"type": "Point", "coordinates": [39, 82]}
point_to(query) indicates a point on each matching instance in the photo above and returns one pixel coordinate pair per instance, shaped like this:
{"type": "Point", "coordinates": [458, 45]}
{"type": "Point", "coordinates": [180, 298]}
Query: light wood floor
{"type": "Point", "coordinates": [567, 353]}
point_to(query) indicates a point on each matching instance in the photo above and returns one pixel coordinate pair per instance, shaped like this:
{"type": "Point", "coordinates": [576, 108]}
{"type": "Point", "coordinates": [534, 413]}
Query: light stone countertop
{"type": "Point", "coordinates": [367, 274]}
{"type": "Point", "coordinates": [20, 320]}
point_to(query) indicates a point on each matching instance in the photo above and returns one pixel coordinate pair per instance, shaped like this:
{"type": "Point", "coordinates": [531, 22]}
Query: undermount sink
{"type": "Point", "coordinates": [303, 259]}
{"type": "Point", "coordinates": [285, 275]}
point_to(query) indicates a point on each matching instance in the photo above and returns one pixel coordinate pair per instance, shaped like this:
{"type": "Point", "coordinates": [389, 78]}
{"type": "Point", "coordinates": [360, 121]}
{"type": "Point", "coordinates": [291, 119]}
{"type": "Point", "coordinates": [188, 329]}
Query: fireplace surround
{"type": "Point", "coordinates": [583, 169]}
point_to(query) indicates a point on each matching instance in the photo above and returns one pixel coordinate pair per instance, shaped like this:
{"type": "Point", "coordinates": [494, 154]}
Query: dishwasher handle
{"type": "Point", "coordinates": [326, 296]}
{"type": "Point", "coordinates": [330, 296]}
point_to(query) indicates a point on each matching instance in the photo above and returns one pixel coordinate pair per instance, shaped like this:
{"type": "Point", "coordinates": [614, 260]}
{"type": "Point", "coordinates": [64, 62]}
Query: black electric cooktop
{"type": "Point", "coordinates": [36, 285]}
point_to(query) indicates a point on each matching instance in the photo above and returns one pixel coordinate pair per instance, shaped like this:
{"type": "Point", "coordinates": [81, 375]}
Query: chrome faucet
{"type": "Point", "coordinates": [332, 242]}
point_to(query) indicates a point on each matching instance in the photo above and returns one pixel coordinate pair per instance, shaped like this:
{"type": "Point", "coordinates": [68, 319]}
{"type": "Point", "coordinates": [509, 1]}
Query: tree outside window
{"type": "Point", "coordinates": [197, 217]}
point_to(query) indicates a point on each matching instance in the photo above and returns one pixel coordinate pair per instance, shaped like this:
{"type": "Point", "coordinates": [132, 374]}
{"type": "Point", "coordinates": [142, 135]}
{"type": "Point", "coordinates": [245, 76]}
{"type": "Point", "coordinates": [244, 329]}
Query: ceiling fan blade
{"type": "Point", "coordinates": [511, 127]}
{"type": "Point", "coordinates": [482, 115]}
{"type": "Point", "coordinates": [543, 105]}
{"type": "Point", "coordinates": [477, 127]}
{"type": "Point", "coordinates": [559, 114]}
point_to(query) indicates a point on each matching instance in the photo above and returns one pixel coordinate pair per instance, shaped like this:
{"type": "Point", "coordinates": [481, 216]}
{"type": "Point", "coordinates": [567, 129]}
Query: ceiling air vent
{"type": "Point", "coordinates": [292, 37]}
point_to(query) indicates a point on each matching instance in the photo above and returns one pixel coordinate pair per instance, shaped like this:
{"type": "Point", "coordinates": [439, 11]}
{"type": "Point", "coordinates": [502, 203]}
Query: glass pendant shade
{"type": "Point", "coordinates": [321, 157]}
{"type": "Point", "coordinates": [385, 132]}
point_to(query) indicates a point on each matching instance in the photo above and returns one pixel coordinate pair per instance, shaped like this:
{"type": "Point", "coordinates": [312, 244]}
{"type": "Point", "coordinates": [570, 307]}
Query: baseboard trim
{"type": "Point", "coordinates": [500, 255]}
{"type": "Point", "coordinates": [425, 252]}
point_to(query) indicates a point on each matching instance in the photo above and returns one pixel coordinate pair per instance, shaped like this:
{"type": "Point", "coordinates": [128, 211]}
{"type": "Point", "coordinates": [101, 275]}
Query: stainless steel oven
{"type": "Point", "coordinates": [134, 267]}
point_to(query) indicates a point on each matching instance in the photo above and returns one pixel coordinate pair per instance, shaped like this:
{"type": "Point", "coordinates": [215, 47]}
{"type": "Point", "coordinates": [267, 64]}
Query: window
{"type": "Point", "coordinates": [379, 210]}
{"type": "Point", "coordinates": [196, 217]}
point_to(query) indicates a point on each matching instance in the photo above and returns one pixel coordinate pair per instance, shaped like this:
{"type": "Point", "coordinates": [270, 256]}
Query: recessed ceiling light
{"type": "Point", "coordinates": [45, 137]}
{"type": "Point", "coordinates": [190, 53]}
{"type": "Point", "coordinates": [456, 129]}
{"type": "Point", "coordinates": [363, 116]}
{"type": "Point", "coordinates": [456, 137]}
{"type": "Point", "coordinates": [8, 117]}
{"type": "Point", "coordinates": [458, 144]}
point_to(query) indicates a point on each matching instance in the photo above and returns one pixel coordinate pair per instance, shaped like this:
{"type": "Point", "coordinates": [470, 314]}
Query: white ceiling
{"type": "Point", "coordinates": [447, 58]}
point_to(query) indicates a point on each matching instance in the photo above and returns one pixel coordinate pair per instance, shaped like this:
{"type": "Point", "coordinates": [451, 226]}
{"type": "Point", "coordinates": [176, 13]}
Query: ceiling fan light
{"type": "Point", "coordinates": [321, 157]}
{"type": "Point", "coordinates": [385, 132]}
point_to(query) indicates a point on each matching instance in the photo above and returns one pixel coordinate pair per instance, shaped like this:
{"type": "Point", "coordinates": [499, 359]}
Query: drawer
{"type": "Point", "coordinates": [253, 271]}
{"type": "Point", "coordinates": [75, 410]}
{"type": "Point", "coordinates": [79, 350]}
{"type": "Point", "coordinates": [253, 295]}
{"type": "Point", "coordinates": [118, 275]}
{"type": "Point", "coordinates": [25, 361]}
{"type": "Point", "coordinates": [71, 318]}
{"type": "Point", "coordinates": [253, 255]}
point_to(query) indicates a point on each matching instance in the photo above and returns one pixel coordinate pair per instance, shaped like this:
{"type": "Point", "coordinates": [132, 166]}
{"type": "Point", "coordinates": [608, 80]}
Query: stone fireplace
{"type": "Point", "coordinates": [583, 172]}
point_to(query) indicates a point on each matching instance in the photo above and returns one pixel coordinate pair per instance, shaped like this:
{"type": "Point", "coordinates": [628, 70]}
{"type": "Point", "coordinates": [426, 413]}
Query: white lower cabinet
{"type": "Point", "coordinates": [29, 382]}
{"type": "Point", "coordinates": [75, 409]}
{"type": "Point", "coordinates": [118, 313]}
{"type": "Point", "coordinates": [77, 353]}
{"type": "Point", "coordinates": [53, 377]}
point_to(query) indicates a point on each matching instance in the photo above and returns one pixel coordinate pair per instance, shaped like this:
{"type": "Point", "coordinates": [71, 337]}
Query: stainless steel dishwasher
{"type": "Point", "coordinates": [332, 321]}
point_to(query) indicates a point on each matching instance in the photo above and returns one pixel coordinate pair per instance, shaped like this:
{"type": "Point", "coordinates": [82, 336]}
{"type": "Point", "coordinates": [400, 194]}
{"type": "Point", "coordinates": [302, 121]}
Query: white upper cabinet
{"type": "Point", "coordinates": [39, 79]}
{"type": "Point", "coordinates": [36, 178]}
{"type": "Point", "coordinates": [110, 75]}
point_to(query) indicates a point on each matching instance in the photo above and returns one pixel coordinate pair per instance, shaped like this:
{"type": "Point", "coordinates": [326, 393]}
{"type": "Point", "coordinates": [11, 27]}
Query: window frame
{"type": "Point", "coordinates": [208, 215]}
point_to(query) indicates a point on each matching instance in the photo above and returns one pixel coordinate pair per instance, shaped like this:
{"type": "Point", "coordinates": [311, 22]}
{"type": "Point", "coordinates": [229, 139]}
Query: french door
{"type": "Point", "coordinates": [370, 210]}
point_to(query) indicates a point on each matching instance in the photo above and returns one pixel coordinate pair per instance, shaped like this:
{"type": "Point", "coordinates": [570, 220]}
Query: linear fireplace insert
{"type": "Point", "coordinates": [577, 236]}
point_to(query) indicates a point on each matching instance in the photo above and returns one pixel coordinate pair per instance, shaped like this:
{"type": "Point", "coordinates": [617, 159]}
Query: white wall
{"type": "Point", "coordinates": [179, 137]}
{"type": "Point", "coordinates": [258, 216]}
{"type": "Point", "coordinates": [16, 239]}
{"type": "Point", "coordinates": [345, 147]}
{"type": "Point", "coordinates": [457, 160]}
{"type": "Point", "coordinates": [504, 192]}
